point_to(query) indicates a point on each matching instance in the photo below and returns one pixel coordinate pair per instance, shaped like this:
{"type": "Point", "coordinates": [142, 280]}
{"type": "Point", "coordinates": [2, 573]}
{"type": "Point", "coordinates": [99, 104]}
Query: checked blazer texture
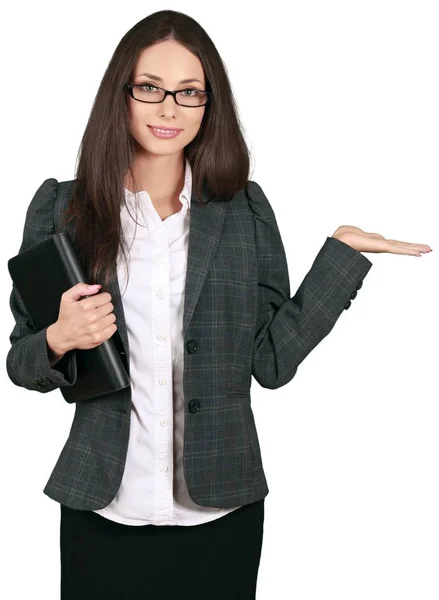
{"type": "Point", "coordinates": [239, 320]}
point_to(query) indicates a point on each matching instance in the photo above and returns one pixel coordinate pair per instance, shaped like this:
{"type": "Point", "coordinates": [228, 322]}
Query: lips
{"type": "Point", "coordinates": [164, 128]}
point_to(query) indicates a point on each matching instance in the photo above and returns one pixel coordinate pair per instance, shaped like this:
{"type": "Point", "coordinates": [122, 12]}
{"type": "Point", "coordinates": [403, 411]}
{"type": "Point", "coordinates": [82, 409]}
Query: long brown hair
{"type": "Point", "coordinates": [218, 155]}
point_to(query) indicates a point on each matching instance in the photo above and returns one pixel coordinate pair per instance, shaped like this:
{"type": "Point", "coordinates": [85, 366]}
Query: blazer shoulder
{"type": "Point", "coordinates": [40, 210]}
{"type": "Point", "coordinates": [68, 184]}
{"type": "Point", "coordinates": [258, 202]}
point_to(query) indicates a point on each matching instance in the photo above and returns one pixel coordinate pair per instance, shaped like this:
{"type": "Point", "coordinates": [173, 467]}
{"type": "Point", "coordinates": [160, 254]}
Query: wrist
{"type": "Point", "coordinates": [340, 238]}
{"type": "Point", "coordinates": [55, 342]}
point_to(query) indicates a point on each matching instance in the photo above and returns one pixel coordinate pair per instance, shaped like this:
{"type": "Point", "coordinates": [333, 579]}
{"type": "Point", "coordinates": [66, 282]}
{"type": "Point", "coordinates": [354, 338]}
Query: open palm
{"type": "Point", "coordinates": [363, 241]}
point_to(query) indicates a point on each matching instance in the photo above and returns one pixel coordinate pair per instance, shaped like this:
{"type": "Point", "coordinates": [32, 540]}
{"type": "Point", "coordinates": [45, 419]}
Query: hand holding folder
{"type": "Point", "coordinates": [82, 323]}
{"type": "Point", "coordinates": [41, 274]}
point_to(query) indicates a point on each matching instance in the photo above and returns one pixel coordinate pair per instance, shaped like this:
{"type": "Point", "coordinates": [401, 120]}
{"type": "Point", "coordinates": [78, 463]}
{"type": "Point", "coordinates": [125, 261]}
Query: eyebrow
{"type": "Point", "coordinates": [160, 79]}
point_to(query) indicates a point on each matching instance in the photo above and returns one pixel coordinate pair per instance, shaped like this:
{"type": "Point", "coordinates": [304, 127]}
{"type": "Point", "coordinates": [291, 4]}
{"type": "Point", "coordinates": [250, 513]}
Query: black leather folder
{"type": "Point", "coordinates": [41, 274]}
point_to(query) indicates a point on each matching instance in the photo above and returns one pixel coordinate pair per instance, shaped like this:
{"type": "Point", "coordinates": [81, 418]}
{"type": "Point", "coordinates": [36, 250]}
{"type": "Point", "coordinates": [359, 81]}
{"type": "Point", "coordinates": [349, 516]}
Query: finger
{"type": "Point", "coordinates": [420, 246]}
{"type": "Point", "coordinates": [417, 248]}
{"type": "Point", "coordinates": [396, 248]}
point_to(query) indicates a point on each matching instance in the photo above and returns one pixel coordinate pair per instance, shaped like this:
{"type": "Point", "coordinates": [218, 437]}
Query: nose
{"type": "Point", "coordinates": [168, 107]}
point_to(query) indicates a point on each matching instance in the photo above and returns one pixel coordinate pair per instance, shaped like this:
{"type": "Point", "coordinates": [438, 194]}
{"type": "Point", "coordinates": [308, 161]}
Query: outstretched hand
{"type": "Point", "coordinates": [362, 241]}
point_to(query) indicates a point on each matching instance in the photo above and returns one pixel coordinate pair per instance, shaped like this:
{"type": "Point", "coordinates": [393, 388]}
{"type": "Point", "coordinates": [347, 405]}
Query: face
{"type": "Point", "coordinates": [172, 63]}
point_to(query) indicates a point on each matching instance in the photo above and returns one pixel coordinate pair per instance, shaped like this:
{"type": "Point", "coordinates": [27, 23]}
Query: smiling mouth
{"type": "Point", "coordinates": [167, 129]}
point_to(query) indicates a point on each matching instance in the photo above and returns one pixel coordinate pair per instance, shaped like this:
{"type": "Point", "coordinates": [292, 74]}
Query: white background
{"type": "Point", "coordinates": [350, 446]}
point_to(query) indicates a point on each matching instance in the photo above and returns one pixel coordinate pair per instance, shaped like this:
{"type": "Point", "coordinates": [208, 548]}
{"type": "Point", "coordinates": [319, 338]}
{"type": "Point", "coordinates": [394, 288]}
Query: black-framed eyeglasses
{"type": "Point", "coordinates": [153, 94]}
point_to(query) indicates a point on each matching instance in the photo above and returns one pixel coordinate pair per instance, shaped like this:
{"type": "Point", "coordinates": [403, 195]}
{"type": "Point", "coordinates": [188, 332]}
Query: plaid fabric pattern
{"type": "Point", "coordinates": [239, 320]}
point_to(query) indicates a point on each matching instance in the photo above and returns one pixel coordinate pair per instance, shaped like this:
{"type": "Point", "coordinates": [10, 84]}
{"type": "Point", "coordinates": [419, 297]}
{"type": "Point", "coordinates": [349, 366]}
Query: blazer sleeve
{"type": "Point", "coordinates": [27, 362]}
{"type": "Point", "coordinates": [287, 329]}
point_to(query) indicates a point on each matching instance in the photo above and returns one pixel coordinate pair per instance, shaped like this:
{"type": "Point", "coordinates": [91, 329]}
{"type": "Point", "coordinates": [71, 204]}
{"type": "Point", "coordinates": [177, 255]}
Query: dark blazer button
{"type": "Point", "coordinates": [191, 346]}
{"type": "Point", "coordinates": [359, 284]}
{"type": "Point", "coordinates": [353, 295]}
{"type": "Point", "coordinates": [347, 305]}
{"type": "Point", "coordinates": [194, 406]}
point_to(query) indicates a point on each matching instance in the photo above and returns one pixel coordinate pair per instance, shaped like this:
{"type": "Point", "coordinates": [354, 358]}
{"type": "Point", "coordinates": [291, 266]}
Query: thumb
{"type": "Point", "coordinates": [80, 290]}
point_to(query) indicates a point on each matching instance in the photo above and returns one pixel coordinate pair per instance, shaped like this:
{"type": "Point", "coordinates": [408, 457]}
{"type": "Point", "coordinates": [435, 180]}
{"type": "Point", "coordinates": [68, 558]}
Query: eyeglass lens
{"type": "Point", "coordinates": [186, 97]}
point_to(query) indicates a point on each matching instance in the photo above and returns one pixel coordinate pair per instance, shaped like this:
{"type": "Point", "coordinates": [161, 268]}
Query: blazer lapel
{"type": "Point", "coordinates": [206, 223]}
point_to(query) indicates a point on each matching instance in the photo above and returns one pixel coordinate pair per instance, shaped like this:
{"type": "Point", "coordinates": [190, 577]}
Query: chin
{"type": "Point", "coordinates": [163, 151]}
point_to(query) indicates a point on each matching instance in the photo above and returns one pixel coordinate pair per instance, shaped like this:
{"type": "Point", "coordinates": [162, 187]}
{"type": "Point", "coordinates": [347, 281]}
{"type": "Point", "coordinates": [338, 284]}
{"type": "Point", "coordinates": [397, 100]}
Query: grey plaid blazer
{"type": "Point", "coordinates": [239, 321]}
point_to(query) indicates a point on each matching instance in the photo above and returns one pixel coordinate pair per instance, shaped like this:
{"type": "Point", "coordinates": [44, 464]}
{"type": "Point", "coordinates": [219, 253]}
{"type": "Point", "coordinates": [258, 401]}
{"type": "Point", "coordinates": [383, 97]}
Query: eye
{"type": "Point", "coordinates": [148, 85]}
{"type": "Point", "coordinates": [190, 90]}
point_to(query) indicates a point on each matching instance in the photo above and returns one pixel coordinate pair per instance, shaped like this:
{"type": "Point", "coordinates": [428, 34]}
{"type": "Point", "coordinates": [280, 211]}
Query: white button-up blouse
{"type": "Point", "coordinates": [153, 489]}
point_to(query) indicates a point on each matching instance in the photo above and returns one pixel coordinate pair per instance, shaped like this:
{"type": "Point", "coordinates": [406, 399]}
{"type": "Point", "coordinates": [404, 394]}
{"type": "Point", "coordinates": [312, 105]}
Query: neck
{"type": "Point", "coordinates": [161, 176]}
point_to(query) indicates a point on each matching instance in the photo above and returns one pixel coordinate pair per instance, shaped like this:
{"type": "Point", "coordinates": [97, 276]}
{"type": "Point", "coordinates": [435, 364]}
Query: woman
{"type": "Point", "coordinates": [161, 485]}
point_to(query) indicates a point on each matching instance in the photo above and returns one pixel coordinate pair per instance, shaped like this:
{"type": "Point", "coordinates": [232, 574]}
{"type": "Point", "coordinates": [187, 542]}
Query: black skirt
{"type": "Point", "coordinates": [104, 560]}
